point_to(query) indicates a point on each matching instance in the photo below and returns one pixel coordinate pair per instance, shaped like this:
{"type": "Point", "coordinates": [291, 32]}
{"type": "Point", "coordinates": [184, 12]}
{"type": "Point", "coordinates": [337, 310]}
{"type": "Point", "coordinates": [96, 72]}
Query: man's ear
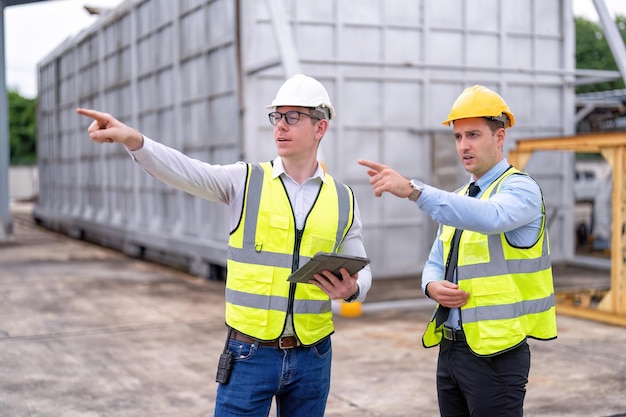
{"type": "Point", "coordinates": [501, 136]}
{"type": "Point", "coordinates": [322, 126]}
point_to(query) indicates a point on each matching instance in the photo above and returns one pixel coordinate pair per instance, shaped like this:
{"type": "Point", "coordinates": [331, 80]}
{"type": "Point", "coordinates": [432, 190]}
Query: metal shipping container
{"type": "Point", "coordinates": [197, 74]}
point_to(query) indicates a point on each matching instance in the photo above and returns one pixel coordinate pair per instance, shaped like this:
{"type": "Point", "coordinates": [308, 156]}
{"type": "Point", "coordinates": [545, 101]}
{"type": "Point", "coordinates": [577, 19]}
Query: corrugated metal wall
{"type": "Point", "coordinates": [196, 75]}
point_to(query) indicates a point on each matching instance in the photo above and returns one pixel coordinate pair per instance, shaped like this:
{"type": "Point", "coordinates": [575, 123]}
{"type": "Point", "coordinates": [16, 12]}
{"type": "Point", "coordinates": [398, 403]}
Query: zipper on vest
{"type": "Point", "coordinates": [294, 265]}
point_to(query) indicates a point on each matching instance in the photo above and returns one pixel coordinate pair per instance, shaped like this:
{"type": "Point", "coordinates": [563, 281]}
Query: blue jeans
{"type": "Point", "coordinates": [299, 378]}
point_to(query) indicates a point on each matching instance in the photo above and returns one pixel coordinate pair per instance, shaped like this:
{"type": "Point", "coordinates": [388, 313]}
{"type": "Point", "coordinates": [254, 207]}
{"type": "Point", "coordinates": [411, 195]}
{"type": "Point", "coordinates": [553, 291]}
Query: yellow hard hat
{"type": "Point", "coordinates": [479, 101]}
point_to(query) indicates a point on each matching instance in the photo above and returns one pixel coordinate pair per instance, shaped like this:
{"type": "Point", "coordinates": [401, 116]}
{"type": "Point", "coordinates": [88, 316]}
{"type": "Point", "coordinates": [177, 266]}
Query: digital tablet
{"type": "Point", "coordinates": [328, 261]}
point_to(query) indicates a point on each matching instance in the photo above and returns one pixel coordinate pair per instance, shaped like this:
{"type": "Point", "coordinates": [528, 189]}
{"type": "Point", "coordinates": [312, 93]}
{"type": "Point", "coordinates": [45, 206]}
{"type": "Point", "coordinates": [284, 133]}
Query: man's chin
{"type": "Point", "coordinates": [469, 166]}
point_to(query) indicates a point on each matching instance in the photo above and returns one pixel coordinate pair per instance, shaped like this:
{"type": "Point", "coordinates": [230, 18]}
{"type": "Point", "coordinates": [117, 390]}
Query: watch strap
{"type": "Point", "coordinates": [417, 190]}
{"type": "Point", "coordinates": [354, 296]}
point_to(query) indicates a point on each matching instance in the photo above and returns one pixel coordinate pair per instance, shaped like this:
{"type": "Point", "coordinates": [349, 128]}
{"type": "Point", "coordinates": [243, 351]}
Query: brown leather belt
{"type": "Point", "coordinates": [285, 342]}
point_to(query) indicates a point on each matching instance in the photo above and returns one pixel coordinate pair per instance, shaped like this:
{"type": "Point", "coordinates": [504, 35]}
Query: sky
{"type": "Point", "coordinates": [33, 31]}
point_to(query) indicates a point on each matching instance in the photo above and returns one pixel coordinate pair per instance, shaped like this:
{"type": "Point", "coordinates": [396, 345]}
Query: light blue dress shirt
{"type": "Point", "coordinates": [516, 211]}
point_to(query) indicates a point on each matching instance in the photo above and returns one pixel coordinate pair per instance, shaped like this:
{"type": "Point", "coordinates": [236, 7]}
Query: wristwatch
{"type": "Point", "coordinates": [418, 187]}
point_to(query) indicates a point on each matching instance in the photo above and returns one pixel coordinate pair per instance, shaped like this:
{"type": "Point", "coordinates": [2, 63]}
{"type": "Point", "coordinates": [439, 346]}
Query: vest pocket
{"type": "Point", "coordinates": [499, 290]}
{"type": "Point", "coordinates": [278, 237]}
{"type": "Point", "coordinates": [474, 249]}
{"type": "Point", "coordinates": [446, 234]}
{"type": "Point", "coordinates": [320, 243]}
{"type": "Point", "coordinates": [492, 295]}
{"type": "Point", "coordinates": [499, 329]}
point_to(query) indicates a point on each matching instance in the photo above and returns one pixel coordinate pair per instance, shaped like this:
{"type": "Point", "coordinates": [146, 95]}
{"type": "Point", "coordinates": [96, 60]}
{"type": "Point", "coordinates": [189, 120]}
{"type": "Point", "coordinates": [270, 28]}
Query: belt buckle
{"type": "Point", "coordinates": [287, 342]}
{"type": "Point", "coordinates": [453, 334]}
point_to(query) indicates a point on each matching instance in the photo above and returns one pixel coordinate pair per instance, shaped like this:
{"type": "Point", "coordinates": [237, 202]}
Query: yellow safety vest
{"type": "Point", "coordinates": [265, 248]}
{"type": "Point", "coordinates": [511, 289]}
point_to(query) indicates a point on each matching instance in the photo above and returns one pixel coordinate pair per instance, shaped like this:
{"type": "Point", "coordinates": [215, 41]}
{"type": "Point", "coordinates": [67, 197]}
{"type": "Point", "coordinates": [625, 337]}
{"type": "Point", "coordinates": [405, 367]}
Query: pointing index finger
{"type": "Point", "coordinates": [371, 164]}
{"type": "Point", "coordinates": [94, 114]}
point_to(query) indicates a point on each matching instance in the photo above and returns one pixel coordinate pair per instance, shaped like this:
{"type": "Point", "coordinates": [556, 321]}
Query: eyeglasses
{"type": "Point", "coordinates": [291, 117]}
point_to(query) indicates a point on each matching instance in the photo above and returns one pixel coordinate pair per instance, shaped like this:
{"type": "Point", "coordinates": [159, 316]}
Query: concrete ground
{"type": "Point", "coordinates": [86, 331]}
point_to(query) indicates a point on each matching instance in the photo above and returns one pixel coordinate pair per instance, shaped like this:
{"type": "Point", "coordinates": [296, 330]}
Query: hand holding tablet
{"type": "Point", "coordinates": [328, 261]}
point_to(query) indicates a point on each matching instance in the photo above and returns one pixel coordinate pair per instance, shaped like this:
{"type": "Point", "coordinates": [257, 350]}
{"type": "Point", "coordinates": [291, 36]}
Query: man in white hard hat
{"type": "Point", "coordinates": [489, 268]}
{"type": "Point", "coordinates": [281, 213]}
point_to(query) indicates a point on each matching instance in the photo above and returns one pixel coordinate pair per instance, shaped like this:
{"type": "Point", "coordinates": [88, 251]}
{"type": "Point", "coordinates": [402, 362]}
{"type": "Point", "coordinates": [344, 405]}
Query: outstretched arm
{"type": "Point", "coordinates": [106, 128]}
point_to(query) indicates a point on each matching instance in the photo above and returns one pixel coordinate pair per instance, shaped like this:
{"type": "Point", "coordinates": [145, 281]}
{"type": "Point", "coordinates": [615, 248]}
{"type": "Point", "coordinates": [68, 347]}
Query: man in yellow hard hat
{"type": "Point", "coordinates": [489, 268]}
{"type": "Point", "coordinates": [282, 213]}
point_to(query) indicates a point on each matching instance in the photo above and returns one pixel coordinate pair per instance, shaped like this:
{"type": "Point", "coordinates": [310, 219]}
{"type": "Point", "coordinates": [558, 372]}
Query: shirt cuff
{"type": "Point", "coordinates": [145, 150]}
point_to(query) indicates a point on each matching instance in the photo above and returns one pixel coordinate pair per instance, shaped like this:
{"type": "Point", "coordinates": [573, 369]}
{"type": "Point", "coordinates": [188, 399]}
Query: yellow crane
{"type": "Point", "coordinates": [612, 146]}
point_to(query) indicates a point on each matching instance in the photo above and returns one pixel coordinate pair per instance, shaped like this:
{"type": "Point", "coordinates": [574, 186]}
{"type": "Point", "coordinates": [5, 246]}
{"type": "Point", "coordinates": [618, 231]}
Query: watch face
{"type": "Point", "coordinates": [416, 185]}
{"type": "Point", "coordinates": [417, 190]}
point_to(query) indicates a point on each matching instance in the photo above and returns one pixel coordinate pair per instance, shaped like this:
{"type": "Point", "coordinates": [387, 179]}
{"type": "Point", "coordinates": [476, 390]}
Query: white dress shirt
{"type": "Point", "coordinates": [226, 184]}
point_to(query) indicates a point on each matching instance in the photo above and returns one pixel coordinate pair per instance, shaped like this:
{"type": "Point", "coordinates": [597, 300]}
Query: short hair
{"type": "Point", "coordinates": [318, 114]}
{"type": "Point", "coordinates": [495, 124]}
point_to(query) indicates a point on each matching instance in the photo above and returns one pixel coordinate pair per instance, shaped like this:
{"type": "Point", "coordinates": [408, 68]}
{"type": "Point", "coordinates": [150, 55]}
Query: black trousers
{"type": "Point", "coordinates": [470, 385]}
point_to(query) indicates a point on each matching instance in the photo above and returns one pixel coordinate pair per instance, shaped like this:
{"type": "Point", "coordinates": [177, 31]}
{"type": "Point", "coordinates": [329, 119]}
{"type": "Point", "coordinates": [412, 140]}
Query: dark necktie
{"type": "Point", "coordinates": [442, 312]}
{"type": "Point", "coordinates": [473, 190]}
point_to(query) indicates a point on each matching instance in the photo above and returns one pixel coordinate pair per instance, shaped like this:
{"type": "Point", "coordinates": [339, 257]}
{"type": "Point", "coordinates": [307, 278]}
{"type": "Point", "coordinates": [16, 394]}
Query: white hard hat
{"type": "Point", "coordinates": [303, 91]}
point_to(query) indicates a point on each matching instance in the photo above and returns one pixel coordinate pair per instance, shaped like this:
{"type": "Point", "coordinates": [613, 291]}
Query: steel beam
{"type": "Point", "coordinates": [613, 37]}
{"type": "Point", "coordinates": [6, 222]}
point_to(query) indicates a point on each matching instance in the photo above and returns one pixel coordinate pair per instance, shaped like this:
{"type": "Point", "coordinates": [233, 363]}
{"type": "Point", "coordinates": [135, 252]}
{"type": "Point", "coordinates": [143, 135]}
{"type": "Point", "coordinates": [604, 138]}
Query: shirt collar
{"type": "Point", "coordinates": [491, 175]}
{"type": "Point", "coordinates": [279, 169]}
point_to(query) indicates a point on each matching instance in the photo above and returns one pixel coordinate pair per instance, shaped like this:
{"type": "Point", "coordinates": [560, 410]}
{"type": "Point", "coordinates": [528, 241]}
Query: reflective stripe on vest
{"type": "Point", "coordinates": [503, 309]}
{"type": "Point", "coordinates": [261, 257]}
{"type": "Point", "coordinates": [276, 302]}
{"type": "Point", "coordinates": [498, 267]}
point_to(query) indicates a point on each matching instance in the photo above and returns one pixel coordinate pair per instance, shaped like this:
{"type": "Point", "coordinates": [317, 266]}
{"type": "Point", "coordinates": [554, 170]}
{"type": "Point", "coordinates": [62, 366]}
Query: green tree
{"type": "Point", "coordinates": [22, 129]}
{"type": "Point", "coordinates": [593, 52]}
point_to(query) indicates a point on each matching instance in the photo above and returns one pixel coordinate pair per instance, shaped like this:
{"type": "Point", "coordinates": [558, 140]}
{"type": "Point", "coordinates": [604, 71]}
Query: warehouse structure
{"type": "Point", "coordinates": [196, 75]}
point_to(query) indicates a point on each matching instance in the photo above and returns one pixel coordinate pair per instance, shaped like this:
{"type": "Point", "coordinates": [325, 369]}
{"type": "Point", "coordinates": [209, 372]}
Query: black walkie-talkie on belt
{"type": "Point", "coordinates": [225, 364]}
